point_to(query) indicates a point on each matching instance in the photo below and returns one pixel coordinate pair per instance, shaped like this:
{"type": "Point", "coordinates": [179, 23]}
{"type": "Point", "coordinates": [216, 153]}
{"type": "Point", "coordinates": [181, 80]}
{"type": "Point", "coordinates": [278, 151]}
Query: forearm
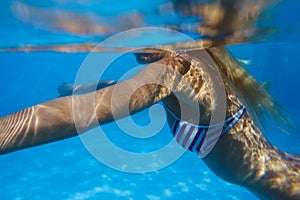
{"type": "Point", "coordinates": [43, 123]}
{"type": "Point", "coordinates": [68, 116]}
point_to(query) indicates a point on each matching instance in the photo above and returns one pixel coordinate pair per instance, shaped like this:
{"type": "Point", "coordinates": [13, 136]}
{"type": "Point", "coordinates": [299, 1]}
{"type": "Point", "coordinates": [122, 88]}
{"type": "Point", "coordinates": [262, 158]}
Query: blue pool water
{"type": "Point", "coordinates": [66, 170]}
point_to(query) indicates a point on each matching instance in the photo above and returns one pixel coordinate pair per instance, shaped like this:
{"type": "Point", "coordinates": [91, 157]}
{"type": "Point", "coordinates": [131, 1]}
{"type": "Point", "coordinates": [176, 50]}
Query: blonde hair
{"type": "Point", "coordinates": [259, 102]}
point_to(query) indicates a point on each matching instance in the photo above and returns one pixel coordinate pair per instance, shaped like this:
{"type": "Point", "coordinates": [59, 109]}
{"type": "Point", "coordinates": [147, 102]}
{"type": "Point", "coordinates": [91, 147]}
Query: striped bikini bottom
{"type": "Point", "coordinates": [201, 139]}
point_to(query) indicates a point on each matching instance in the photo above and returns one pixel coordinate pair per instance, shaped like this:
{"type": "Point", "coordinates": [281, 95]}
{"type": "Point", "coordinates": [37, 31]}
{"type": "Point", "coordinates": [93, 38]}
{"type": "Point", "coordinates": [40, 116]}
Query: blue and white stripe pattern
{"type": "Point", "coordinates": [201, 139]}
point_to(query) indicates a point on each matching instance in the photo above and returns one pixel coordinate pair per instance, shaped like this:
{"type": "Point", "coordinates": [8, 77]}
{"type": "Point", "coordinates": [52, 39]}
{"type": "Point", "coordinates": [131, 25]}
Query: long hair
{"type": "Point", "coordinates": [259, 102]}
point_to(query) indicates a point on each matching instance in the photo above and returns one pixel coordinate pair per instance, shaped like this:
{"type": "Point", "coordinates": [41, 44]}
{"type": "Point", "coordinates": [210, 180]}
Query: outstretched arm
{"type": "Point", "coordinates": [68, 116]}
{"type": "Point", "coordinates": [66, 89]}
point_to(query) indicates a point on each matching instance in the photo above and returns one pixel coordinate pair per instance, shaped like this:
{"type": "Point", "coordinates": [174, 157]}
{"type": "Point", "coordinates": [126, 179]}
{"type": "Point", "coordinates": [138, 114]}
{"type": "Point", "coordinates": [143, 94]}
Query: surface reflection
{"type": "Point", "coordinates": [212, 23]}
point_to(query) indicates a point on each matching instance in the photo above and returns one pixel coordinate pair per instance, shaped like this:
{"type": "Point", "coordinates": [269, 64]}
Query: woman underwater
{"type": "Point", "coordinates": [232, 146]}
{"type": "Point", "coordinates": [185, 82]}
